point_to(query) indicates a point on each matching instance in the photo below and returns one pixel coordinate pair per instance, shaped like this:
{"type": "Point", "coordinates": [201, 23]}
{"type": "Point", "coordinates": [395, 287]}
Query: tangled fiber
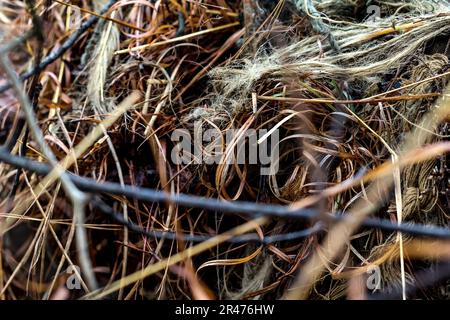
{"type": "Point", "coordinates": [341, 83]}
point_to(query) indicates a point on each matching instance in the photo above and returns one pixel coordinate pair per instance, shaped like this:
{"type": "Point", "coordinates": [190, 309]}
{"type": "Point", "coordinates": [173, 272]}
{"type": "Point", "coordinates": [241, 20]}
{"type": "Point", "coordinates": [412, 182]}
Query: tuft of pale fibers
{"type": "Point", "coordinates": [100, 61]}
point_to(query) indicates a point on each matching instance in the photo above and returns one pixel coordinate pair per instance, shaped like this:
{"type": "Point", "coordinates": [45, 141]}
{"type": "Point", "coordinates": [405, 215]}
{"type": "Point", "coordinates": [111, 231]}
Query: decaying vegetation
{"type": "Point", "coordinates": [91, 93]}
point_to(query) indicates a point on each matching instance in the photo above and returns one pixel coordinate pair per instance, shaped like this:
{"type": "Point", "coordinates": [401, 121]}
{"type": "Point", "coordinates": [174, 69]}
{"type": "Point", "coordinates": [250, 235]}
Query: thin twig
{"type": "Point", "coordinates": [250, 209]}
{"type": "Point", "coordinates": [171, 235]}
{"type": "Point", "coordinates": [57, 53]}
{"type": "Point", "coordinates": [77, 197]}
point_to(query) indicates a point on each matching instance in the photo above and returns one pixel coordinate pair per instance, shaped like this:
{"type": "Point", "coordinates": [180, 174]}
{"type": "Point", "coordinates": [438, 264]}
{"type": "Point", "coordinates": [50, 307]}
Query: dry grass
{"type": "Point", "coordinates": [346, 94]}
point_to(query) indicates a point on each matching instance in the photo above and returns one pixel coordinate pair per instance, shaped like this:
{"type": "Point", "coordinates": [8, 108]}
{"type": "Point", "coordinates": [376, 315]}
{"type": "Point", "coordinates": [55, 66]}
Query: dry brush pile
{"type": "Point", "coordinates": [92, 93]}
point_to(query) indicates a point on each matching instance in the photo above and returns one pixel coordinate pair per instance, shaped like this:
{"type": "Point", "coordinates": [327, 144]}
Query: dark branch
{"type": "Point", "coordinates": [57, 53]}
{"type": "Point", "coordinates": [250, 209]}
{"type": "Point", "coordinates": [171, 235]}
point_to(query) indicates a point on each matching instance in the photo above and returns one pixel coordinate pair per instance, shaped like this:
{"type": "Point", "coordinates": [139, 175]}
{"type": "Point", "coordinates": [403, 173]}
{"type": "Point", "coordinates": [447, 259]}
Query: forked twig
{"type": "Point", "coordinates": [77, 197]}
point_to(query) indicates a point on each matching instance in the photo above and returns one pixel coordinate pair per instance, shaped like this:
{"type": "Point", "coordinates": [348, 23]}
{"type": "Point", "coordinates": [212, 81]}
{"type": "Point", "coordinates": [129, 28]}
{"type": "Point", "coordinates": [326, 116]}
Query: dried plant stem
{"type": "Point", "coordinates": [102, 16]}
{"type": "Point", "coordinates": [57, 53]}
{"type": "Point", "coordinates": [75, 153]}
{"type": "Point", "coordinates": [339, 235]}
{"type": "Point", "coordinates": [77, 197]}
{"type": "Point", "coordinates": [297, 211]}
{"type": "Point", "coordinates": [177, 258]}
{"type": "Point", "coordinates": [178, 39]}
